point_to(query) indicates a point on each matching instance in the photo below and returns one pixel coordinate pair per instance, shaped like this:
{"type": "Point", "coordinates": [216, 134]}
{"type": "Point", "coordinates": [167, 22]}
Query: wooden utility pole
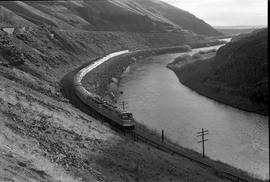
{"type": "Point", "coordinates": [202, 134]}
{"type": "Point", "coordinates": [124, 103]}
{"type": "Point", "coordinates": [162, 136]}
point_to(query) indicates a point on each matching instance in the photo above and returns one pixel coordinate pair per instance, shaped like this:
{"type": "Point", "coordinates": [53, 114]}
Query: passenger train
{"type": "Point", "coordinates": [119, 117]}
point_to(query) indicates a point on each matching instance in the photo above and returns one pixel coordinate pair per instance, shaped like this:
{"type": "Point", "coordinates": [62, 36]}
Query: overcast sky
{"type": "Point", "coordinates": [226, 12]}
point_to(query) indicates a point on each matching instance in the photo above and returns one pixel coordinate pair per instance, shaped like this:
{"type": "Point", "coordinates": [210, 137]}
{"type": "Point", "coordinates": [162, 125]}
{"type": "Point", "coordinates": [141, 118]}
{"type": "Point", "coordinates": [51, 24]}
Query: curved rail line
{"type": "Point", "coordinates": [114, 114]}
{"type": "Point", "coordinates": [141, 136]}
{"type": "Point", "coordinates": [79, 76]}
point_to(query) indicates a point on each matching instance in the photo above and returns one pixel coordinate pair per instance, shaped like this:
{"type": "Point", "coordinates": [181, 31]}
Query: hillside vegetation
{"type": "Point", "coordinates": [105, 15]}
{"type": "Point", "coordinates": [43, 136]}
{"type": "Point", "coordinates": [237, 75]}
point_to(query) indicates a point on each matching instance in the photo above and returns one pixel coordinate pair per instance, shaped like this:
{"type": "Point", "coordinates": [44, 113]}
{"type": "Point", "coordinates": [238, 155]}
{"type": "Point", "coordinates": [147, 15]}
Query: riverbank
{"type": "Point", "coordinates": [44, 137]}
{"type": "Point", "coordinates": [215, 93]}
{"type": "Point", "coordinates": [122, 159]}
{"type": "Point", "coordinates": [240, 82]}
{"type": "Point", "coordinates": [154, 134]}
{"type": "Point", "coordinates": [105, 79]}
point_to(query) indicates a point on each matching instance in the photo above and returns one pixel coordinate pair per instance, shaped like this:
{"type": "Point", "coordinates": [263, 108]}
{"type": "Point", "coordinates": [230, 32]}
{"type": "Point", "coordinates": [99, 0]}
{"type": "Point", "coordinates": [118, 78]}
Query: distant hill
{"type": "Point", "coordinates": [105, 15]}
{"type": "Point", "coordinates": [237, 75]}
{"type": "Point", "coordinates": [234, 32]}
{"type": "Point", "coordinates": [240, 29]}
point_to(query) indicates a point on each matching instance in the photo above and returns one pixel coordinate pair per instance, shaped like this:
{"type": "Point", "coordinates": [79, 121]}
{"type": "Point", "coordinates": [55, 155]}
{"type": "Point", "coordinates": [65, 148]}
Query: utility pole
{"type": "Point", "coordinates": [162, 136]}
{"type": "Point", "coordinates": [202, 134]}
{"type": "Point", "coordinates": [124, 103]}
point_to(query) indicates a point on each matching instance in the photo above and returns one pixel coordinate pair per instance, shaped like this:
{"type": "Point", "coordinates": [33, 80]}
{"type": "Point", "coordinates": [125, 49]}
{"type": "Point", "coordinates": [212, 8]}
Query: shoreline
{"type": "Point", "coordinates": [100, 79]}
{"type": "Point", "coordinates": [128, 59]}
{"type": "Point", "coordinates": [242, 104]}
{"type": "Point", "coordinates": [123, 61]}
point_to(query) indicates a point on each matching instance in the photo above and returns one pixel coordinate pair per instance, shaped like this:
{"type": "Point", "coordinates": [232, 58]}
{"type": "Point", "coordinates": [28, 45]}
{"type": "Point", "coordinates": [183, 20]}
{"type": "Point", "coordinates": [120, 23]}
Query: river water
{"type": "Point", "coordinates": [158, 100]}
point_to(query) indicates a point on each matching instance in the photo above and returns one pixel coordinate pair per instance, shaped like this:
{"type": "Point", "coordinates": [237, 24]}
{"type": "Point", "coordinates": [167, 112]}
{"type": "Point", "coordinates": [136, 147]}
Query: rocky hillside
{"type": "Point", "coordinates": [179, 17]}
{"type": "Point", "coordinates": [104, 15]}
{"type": "Point", "coordinates": [237, 75]}
{"type": "Point", "coordinates": [43, 136]}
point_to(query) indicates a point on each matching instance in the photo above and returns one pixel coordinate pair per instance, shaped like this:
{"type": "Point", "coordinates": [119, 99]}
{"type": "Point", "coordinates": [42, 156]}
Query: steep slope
{"type": "Point", "coordinates": [109, 15]}
{"type": "Point", "coordinates": [43, 137]}
{"type": "Point", "coordinates": [179, 17]}
{"type": "Point", "coordinates": [237, 75]}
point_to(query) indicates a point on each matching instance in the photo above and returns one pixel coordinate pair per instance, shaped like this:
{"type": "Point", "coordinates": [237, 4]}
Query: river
{"type": "Point", "coordinates": [157, 99]}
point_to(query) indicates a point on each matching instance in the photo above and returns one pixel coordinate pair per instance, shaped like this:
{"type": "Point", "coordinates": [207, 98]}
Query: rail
{"type": "Point", "coordinates": [233, 177]}
{"type": "Point", "coordinates": [169, 148]}
{"type": "Point", "coordinates": [138, 137]}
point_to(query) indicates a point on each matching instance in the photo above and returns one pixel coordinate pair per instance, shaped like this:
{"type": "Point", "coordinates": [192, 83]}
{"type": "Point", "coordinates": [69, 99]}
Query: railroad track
{"type": "Point", "coordinates": [140, 136]}
{"type": "Point", "coordinates": [172, 149]}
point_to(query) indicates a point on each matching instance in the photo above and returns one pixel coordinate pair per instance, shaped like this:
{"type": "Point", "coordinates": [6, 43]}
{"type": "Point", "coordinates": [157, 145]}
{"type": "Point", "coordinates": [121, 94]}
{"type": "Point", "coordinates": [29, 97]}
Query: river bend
{"type": "Point", "coordinates": [160, 101]}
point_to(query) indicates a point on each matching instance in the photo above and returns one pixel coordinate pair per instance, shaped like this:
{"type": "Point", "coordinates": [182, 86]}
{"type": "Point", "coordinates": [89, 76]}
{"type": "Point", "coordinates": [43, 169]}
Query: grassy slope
{"type": "Point", "coordinates": [115, 15]}
{"type": "Point", "coordinates": [237, 76]}
{"type": "Point", "coordinates": [44, 138]}
{"type": "Point", "coordinates": [180, 17]}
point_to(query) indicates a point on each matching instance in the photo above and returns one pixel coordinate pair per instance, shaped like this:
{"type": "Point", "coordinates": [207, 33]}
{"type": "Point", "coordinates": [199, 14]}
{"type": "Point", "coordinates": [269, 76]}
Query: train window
{"type": "Point", "coordinates": [126, 116]}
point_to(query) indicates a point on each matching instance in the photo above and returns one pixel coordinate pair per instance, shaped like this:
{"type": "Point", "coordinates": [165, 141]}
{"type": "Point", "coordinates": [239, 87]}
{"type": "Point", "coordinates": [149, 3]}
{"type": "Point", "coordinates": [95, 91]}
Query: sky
{"type": "Point", "coordinates": [226, 12]}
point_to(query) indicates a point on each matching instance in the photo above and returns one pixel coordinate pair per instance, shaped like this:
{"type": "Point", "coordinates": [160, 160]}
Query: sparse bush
{"type": "Point", "coordinates": [6, 17]}
{"type": "Point", "coordinates": [182, 58]}
{"type": "Point", "coordinates": [12, 55]}
{"type": "Point", "coordinates": [196, 56]}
